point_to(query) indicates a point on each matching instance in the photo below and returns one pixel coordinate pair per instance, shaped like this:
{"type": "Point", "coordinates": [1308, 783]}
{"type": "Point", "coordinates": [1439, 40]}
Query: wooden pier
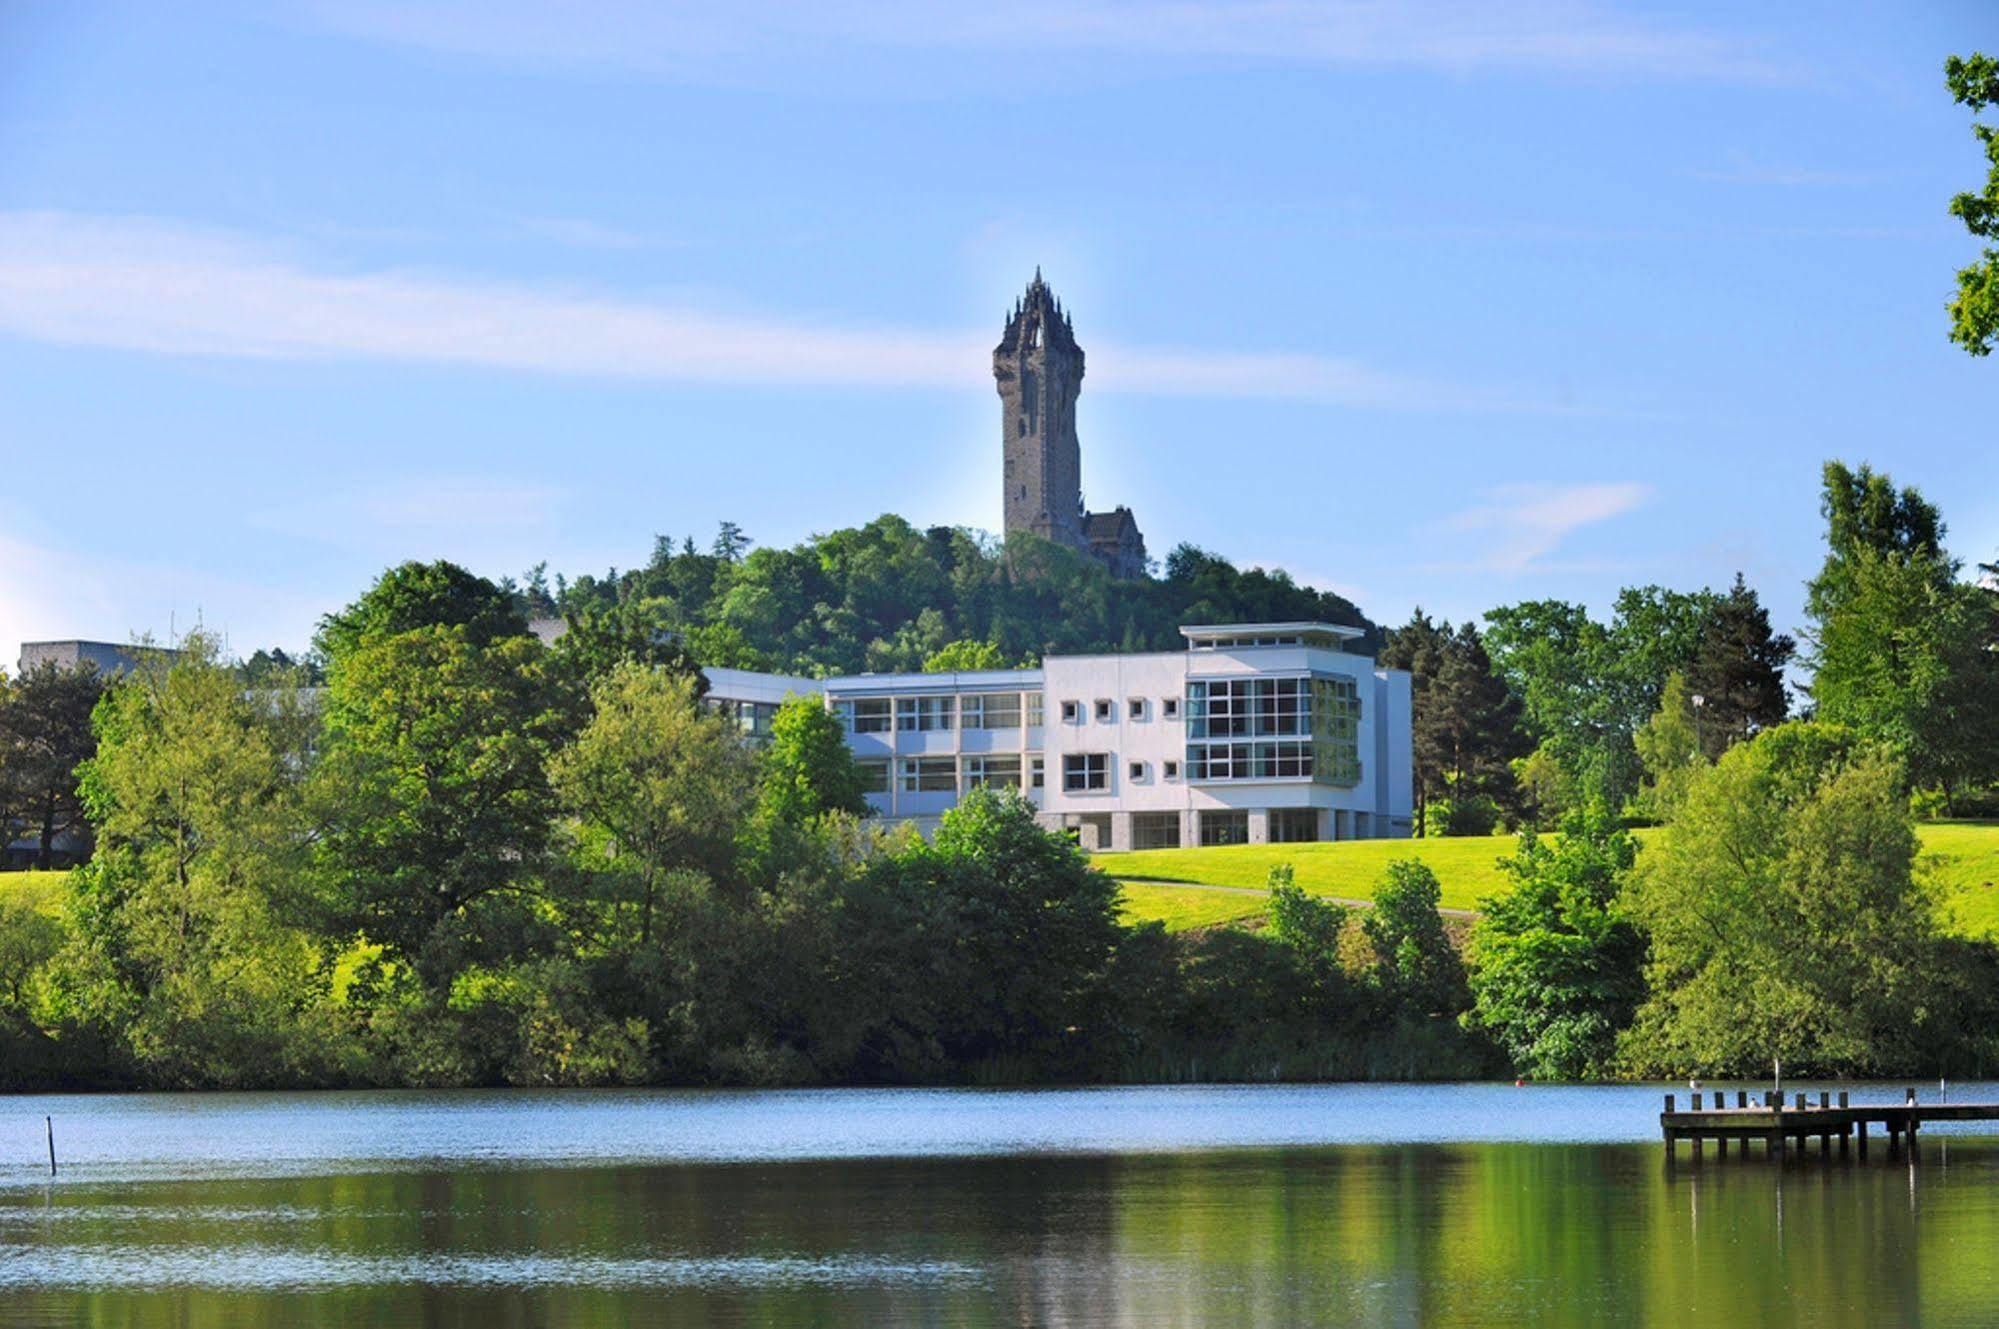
{"type": "Point", "coordinates": [1790, 1130]}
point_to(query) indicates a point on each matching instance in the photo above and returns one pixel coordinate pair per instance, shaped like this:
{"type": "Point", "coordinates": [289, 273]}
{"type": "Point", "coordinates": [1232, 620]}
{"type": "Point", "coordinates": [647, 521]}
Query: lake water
{"type": "Point", "coordinates": [1366, 1205]}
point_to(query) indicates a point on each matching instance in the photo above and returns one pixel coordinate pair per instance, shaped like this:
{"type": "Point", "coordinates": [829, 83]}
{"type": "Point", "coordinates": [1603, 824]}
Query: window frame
{"type": "Point", "coordinates": [1086, 772]}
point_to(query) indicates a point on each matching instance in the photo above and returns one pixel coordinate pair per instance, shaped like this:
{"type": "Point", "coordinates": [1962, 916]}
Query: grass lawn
{"type": "Point", "coordinates": [1466, 869]}
{"type": "Point", "coordinates": [1181, 907]}
{"type": "Point", "coordinates": [41, 889]}
{"type": "Point", "coordinates": [1159, 883]}
{"type": "Point", "coordinates": [1967, 864]}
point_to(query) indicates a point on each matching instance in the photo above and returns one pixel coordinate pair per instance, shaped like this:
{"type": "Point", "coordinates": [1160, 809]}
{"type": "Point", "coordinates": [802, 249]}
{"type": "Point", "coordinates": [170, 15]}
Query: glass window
{"type": "Point", "coordinates": [992, 770]}
{"type": "Point", "coordinates": [1293, 825]}
{"type": "Point", "coordinates": [1172, 769]}
{"type": "Point", "coordinates": [1103, 710]}
{"type": "Point", "coordinates": [991, 710]}
{"type": "Point", "coordinates": [1155, 830]}
{"type": "Point", "coordinates": [1136, 708]}
{"type": "Point", "coordinates": [1036, 773]}
{"type": "Point", "coordinates": [924, 713]}
{"type": "Point", "coordinates": [929, 775]}
{"type": "Point", "coordinates": [1034, 719]}
{"type": "Point", "coordinates": [1072, 712]}
{"type": "Point", "coordinates": [1086, 772]}
{"type": "Point", "coordinates": [863, 715]}
{"type": "Point", "coordinates": [874, 776]}
{"type": "Point", "coordinates": [1138, 771]}
{"type": "Point", "coordinates": [1224, 828]}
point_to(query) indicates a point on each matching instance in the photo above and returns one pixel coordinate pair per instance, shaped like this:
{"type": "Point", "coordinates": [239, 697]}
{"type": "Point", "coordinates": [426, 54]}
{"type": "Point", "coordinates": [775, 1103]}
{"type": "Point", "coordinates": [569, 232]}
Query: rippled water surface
{"type": "Point", "coordinates": [1434, 1205]}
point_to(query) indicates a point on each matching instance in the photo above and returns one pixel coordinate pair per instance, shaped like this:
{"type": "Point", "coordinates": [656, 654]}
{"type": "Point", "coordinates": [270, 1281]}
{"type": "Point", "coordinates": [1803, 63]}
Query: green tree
{"type": "Point", "coordinates": [1669, 746]}
{"type": "Point", "coordinates": [1309, 926]}
{"type": "Point", "coordinates": [806, 768]}
{"type": "Point", "coordinates": [180, 949]}
{"type": "Point", "coordinates": [1027, 934]}
{"type": "Point", "coordinates": [433, 791]}
{"type": "Point", "coordinates": [1588, 686]}
{"type": "Point", "coordinates": [599, 638]}
{"type": "Point", "coordinates": [423, 595]}
{"type": "Point", "coordinates": [1974, 313]}
{"type": "Point", "coordinates": [1899, 646]}
{"type": "Point", "coordinates": [966, 656]}
{"type": "Point", "coordinates": [1786, 916]}
{"type": "Point", "coordinates": [1466, 726]}
{"type": "Point", "coordinates": [662, 780]}
{"type": "Point", "coordinates": [1556, 967]}
{"type": "Point", "coordinates": [45, 735]}
{"type": "Point", "coordinates": [1418, 967]}
{"type": "Point", "coordinates": [1737, 671]}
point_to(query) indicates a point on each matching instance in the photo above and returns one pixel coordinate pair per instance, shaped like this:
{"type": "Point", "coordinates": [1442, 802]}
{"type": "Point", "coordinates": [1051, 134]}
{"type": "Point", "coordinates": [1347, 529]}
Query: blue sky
{"type": "Point", "coordinates": [1449, 304]}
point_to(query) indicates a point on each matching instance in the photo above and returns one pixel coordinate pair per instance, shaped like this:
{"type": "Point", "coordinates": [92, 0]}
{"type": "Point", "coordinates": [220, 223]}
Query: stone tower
{"type": "Point", "coordinates": [1039, 369]}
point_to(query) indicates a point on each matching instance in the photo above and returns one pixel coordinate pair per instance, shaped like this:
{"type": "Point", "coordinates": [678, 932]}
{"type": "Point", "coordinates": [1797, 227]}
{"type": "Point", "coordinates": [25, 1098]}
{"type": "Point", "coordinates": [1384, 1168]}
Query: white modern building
{"type": "Point", "coordinates": [1254, 733]}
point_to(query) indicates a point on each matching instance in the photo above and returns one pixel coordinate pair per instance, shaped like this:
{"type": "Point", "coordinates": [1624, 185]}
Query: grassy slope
{"type": "Point", "coordinates": [1965, 857]}
{"type": "Point", "coordinates": [42, 890]}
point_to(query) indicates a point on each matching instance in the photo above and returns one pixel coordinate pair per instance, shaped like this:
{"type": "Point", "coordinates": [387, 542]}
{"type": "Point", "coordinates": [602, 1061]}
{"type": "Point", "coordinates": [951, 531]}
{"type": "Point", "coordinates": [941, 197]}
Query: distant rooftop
{"type": "Point", "coordinates": [70, 653]}
{"type": "Point", "coordinates": [1229, 636]}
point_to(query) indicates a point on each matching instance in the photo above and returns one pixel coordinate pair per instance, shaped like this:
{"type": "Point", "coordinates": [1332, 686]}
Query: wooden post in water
{"type": "Point", "coordinates": [50, 1124]}
{"type": "Point", "coordinates": [1668, 1132]}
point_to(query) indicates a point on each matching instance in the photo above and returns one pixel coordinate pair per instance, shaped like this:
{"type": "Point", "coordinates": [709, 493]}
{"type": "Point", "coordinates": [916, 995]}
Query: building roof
{"type": "Point", "coordinates": [1109, 525]}
{"type": "Point", "coordinates": [1209, 632]}
{"type": "Point", "coordinates": [1001, 680]}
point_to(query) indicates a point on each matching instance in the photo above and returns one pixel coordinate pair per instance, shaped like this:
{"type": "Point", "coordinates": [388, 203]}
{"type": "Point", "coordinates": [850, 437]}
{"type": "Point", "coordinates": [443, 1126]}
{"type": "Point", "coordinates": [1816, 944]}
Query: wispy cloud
{"type": "Point", "coordinates": [1521, 525]}
{"type": "Point", "coordinates": [141, 285]}
{"type": "Point", "coordinates": [1740, 170]}
{"type": "Point", "coordinates": [682, 39]}
{"type": "Point", "coordinates": [582, 233]}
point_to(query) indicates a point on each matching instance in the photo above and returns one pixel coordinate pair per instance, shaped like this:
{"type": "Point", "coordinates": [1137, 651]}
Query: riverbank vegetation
{"type": "Point", "coordinates": [441, 852]}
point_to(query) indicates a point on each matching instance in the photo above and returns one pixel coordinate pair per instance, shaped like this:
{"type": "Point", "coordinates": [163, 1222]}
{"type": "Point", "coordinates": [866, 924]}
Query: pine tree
{"type": "Point", "coordinates": [1737, 672]}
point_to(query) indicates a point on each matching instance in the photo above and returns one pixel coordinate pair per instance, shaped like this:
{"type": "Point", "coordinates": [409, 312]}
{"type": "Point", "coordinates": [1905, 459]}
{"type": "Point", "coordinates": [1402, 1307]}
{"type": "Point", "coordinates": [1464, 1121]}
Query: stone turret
{"type": "Point", "coordinates": [1039, 371]}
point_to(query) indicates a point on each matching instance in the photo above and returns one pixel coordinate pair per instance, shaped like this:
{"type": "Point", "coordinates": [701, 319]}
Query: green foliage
{"type": "Point", "coordinates": [1787, 918]}
{"type": "Point", "coordinates": [887, 596]}
{"type": "Point", "coordinates": [1031, 926]}
{"type": "Point", "coordinates": [181, 948]}
{"type": "Point", "coordinates": [1588, 686]}
{"type": "Point", "coordinates": [1555, 965]}
{"type": "Point", "coordinates": [1900, 647]}
{"type": "Point", "coordinates": [966, 657]}
{"type": "Point", "coordinates": [806, 768]}
{"type": "Point", "coordinates": [423, 595]}
{"type": "Point", "coordinates": [1415, 960]}
{"type": "Point", "coordinates": [1466, 728]}
{"type": "Point", "coordinates": [45, 735]}
{"type": "Point", "coordinates": [432, 792]}
{"type": "Point", "coordinates": [1670, 748]}
{"type": "Point", "coordinates": [659, 784]}
{"type": "Point", "coordinates": [600, 638]}
{"type": "Point", "coordinates": [1737, 671]}
{"type": "Point", "coordinates": [1309, 926]}
{"type": "Point", "coordinates": [1974, 313]}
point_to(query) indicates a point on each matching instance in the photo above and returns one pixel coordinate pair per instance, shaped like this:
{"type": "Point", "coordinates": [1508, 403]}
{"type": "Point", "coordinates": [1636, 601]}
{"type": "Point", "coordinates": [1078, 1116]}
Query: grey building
{"type": "Point", "coordinates": [1038, 367]}
{"type": "Point", "coordinates": [108, 657]}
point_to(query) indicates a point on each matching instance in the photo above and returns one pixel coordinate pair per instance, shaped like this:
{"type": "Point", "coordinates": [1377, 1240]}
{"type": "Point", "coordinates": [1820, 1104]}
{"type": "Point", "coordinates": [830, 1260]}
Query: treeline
{"type": "Point", "coordinates": [474, 859]}
{"type": "Point", "coordinates": [887, 596]}
{"type": "Point", "coordinates": [1546, 709]}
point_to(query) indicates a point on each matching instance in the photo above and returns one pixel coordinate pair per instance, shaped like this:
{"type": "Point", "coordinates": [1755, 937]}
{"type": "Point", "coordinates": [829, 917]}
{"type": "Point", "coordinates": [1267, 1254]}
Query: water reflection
{"type": "Point", "coordinates": [1447, 1235]}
